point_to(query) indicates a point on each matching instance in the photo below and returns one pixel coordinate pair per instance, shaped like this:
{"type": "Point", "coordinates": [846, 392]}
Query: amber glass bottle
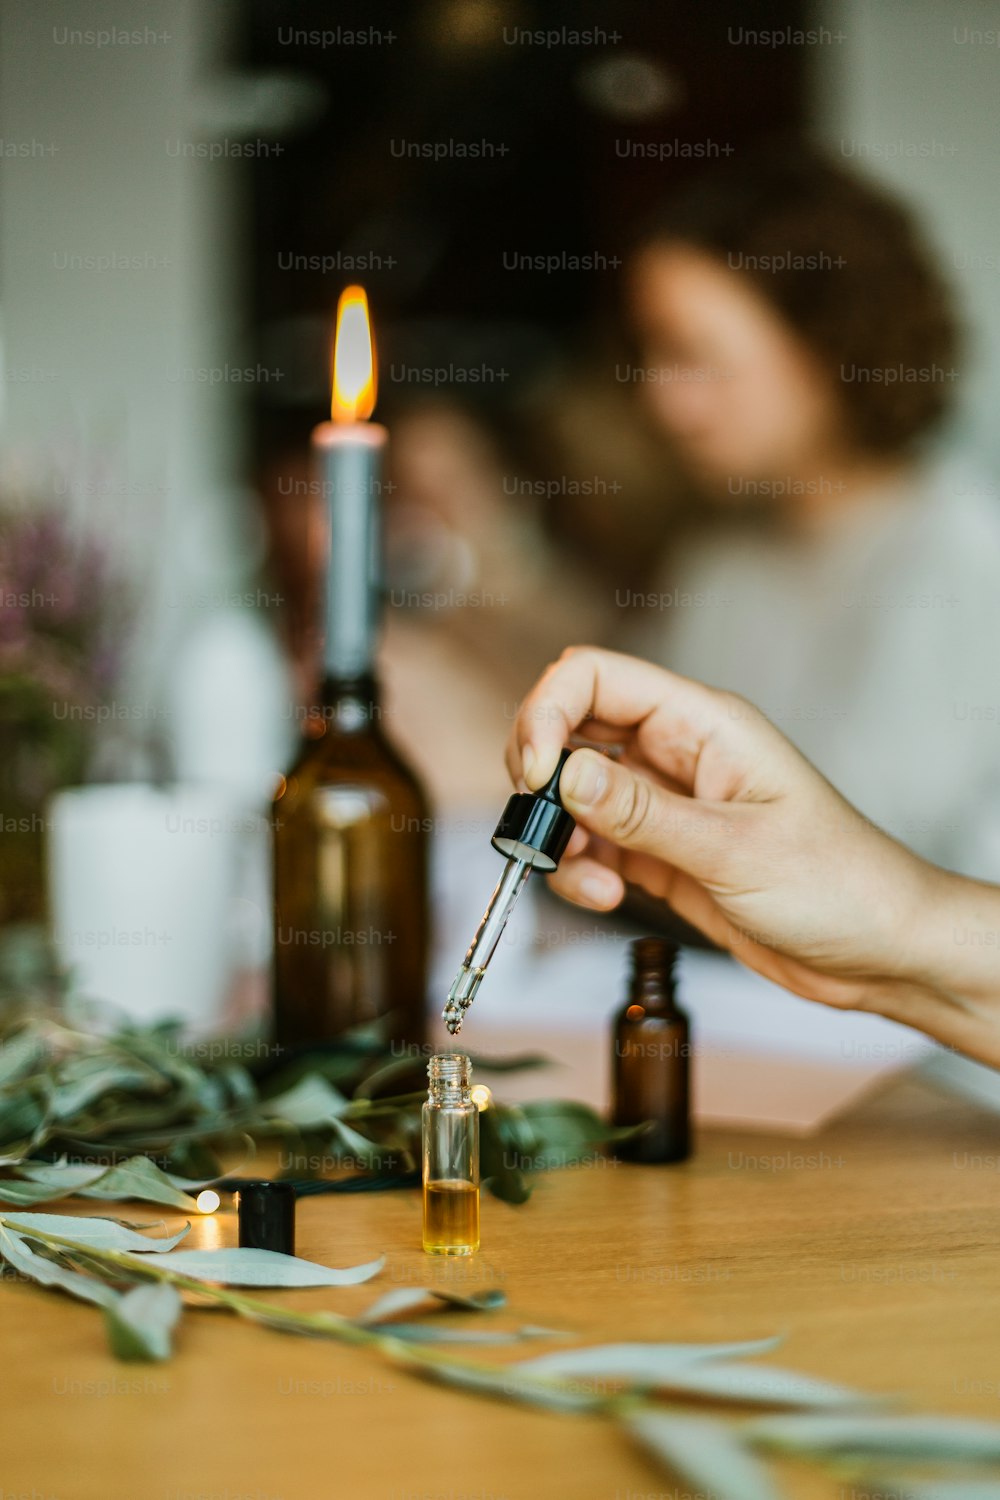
{"type": "Point", "coordinates": [350, 879]}
{"type": "Point", "coordinates": [650, 1067]}
{"type": "Point", "coordinates": [350, 821]}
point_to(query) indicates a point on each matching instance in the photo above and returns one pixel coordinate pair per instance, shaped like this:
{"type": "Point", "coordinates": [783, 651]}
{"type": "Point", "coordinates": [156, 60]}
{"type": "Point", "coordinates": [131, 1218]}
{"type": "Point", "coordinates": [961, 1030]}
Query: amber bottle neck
{"type": "Point", "coordinates": [351, 704]}
{"type": "Point", "coordinates": [652, 980]}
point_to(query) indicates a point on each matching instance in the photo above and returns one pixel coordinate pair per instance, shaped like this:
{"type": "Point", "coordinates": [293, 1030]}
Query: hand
{"type": "Point", "coordinates": [711, 809]}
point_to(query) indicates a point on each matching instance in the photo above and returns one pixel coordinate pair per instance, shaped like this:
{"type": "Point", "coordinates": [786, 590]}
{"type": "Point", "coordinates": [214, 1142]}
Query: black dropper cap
{"type": "Point", "coordinates": [535, 826]}
{"type": "Point", "coordinates": [267, 1216]}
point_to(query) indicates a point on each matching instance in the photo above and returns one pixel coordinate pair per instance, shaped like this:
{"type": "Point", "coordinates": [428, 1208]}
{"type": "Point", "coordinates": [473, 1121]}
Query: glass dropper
{"type": "Point", "coordinates": [533, 833]}
{"type": "Point", "coordinates": [483, 945]}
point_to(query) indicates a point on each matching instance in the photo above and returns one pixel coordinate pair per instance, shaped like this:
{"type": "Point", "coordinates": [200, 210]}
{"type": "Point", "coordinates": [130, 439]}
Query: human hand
{"type": "Point", "coordinates": [711, 809]}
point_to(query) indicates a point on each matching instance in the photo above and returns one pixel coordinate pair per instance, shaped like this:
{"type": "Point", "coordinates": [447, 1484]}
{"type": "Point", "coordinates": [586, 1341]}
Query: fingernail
{"type": "Point", "coordinates": [584, 778]}
{"type": "Point", "coordinates": [599, 889]}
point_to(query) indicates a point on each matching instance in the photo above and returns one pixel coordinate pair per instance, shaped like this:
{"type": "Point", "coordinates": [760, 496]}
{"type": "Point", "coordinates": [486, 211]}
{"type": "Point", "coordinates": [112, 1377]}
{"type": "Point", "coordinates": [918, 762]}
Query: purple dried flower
{"type": "Point", "coordinates": [63, 614]}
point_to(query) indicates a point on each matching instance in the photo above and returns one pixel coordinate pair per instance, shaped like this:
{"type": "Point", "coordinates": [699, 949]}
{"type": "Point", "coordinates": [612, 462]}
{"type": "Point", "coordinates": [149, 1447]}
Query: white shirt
{"type": "Point", "coordinates": [873, 642]}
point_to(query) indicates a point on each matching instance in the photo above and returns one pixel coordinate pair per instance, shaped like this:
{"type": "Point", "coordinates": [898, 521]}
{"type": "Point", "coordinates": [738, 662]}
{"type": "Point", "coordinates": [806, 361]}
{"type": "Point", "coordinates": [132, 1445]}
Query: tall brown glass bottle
{"type": "Point", "coordinates": [350, 880]}
{"type": "Point", "coordinates": [351, 823]}
{"type": "Point", "coordinates": [651, 1062]}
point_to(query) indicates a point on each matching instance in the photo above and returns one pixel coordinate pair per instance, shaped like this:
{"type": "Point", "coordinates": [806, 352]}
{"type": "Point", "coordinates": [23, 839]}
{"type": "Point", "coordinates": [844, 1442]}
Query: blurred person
{"type": "Point", "coordinates": [609, 482]}
{"type": "Point", "coordinates": [714, 813]}
{"type": "Point", "coordinates": [478, 599]}
{"type": "Point", "coordinates": [798, 347]}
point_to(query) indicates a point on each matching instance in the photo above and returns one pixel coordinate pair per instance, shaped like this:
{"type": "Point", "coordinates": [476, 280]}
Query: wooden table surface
{"type": "Point", "coordinates": [873, 1247]}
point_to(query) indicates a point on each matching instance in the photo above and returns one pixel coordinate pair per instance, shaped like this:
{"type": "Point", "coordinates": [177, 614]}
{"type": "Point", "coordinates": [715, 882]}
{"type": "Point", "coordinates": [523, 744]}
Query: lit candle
{"type": "Point", "coordinates": [348, 454]}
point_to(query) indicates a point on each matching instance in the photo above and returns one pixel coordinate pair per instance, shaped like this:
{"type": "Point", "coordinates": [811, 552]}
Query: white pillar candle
{"type": "Point", "coordinates": [349, 459]}
{"type": "Point", "coordinates": [145, 897]}
{"type": "Point", "coordinates": [348, 453]}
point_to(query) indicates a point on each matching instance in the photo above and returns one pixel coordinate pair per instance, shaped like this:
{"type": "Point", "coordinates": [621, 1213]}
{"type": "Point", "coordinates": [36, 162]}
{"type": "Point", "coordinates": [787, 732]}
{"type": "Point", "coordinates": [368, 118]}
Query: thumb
{"type": "Point", "coordinates": [633, 812]}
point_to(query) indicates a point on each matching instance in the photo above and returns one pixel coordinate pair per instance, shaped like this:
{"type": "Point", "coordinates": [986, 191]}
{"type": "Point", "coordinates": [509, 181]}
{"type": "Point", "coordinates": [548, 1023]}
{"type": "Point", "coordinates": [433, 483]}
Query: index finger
{"type": "Point", "coordinates": [590, 683]}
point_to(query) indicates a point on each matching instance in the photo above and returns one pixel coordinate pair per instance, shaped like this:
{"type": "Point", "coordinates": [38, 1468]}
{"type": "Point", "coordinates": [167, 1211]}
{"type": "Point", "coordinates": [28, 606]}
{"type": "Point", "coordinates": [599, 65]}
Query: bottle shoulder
{"type": "Point", "coordinates": [653, 1015]}
{"type": "Point", "coordinates": [334, 758]}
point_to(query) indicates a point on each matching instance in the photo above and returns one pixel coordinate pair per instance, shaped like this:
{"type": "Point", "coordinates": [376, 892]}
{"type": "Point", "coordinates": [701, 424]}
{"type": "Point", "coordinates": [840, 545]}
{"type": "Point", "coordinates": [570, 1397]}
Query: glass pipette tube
{"type": "Point", "coordinates": [483, 945]}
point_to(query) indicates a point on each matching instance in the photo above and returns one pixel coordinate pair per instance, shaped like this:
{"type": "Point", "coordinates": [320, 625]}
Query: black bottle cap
{"type": "Point", "coordinates": [267, 1216]}
{"type": "Point", "coordinates": [535, 826]}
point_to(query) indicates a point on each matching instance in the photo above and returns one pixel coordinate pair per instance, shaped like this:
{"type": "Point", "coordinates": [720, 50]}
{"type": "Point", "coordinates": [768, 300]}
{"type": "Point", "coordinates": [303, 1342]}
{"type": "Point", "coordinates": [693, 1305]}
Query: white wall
{"type": "Point", "coordinates": [114, 339]}
{"type": "Point", "coordinates": [902, 81]}
{"type": "Point", "coordinates": [94, 358]}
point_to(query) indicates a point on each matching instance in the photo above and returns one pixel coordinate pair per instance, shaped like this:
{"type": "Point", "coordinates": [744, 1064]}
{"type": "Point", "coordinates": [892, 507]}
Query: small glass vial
{"type": "Point", "coordinates": [450, 1134]}
{"type": "Point", "coordinates": [651, 1063]}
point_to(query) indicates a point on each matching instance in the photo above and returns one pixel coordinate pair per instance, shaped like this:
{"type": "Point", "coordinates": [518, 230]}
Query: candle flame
{"type": "Point", "coordinates": [353, 359]}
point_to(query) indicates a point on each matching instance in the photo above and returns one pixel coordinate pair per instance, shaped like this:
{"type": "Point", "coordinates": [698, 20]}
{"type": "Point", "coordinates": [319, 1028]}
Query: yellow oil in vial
{"type": "Point", "coordinates": [451, 1218]}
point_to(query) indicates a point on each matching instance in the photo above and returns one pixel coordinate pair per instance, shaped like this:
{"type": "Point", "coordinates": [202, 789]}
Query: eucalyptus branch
{"type": "Point", "coordinates": [716, 1455]}
{"type": "Point", "coordinates": [451, 1369]}
{"type": "Point", "coordinates": [135, 1092]}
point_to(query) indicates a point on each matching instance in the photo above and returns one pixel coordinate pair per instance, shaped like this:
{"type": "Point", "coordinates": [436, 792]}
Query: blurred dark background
{"type": "Point", "coordinates": [430, 235]}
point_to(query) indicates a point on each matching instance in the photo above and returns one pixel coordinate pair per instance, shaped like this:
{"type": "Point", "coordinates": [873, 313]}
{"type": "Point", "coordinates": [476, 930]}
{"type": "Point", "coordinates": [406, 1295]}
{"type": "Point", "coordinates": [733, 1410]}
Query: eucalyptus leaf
{"type": "Point", "coordinates": [405, 1299]}
{"type": "Point", "coordinates": [73, 1096]}
{"type": "Point", "coordinates": [427, 1333]}
{"type": "Point", "coordinates": [509, 1185]}
{"type": "Point", "coordinates": [198, 1163]}
{"type": "Point", "coordinates": [400, 1299]}
{"type": "Point", "coordinates": [642, 1364]}
{"type": "Point", "coordinates": [15, 1191]}
{"type": "Point", "coordinates": [209, 1090]}
{"type": "Point", "coordinates": [64, 1176]}
{"type": "Point", "coordinates": [19, 1055]}
{"type": "Point", "coordinates": [938, 1489]}
{"type": "Point", "coordinates": [138, 1177]}
{"type": "Point", "coordinates": [140, 1323]}
{"type": "Point", "coordinates": [195, 1184]}
{"type": "Point", "coordinates": [921, 1437]}
{"type": "Point", "coordinates": [566, 1130]}
{"type": "Point", "coordinates": [513, 1128]}
{"type": "Point", "coordinates": [505, 1383]}
{"type": "Point", "coordinates": [362, 1149]}
{"type": "Point", "coordinates": [564, 1122]}
{"type": "Point", "coordinates": [23, 1118]}
{"type": "Point", "coordinates": [700, 1370]}
{"type": "Point", "coordinates": [487, 1300]}
{"type": "Point", "coordinates": [246, 1267]}
{"type": "Point", "coordinates": [481, 1063]}
{"type": "Point", "coordinates": [399, 1067]}
{"type": "Point", "coordinates": [18, 1253]}
{"type": "Point", "coordinates": [96, 1233]}
{"type": "Point", "coordinates": [707, 1454]}
{"type": "Point", "coordinates": [241, 1086]}
{"type": "Point", "coordinates": [764, 1385]}
{"type": "Point", "coordinates": [504, 1180]}
{"type": "Point", "coordinates": [340, 1061]}
{"type": "Point", "coordinates": [313, 1101]}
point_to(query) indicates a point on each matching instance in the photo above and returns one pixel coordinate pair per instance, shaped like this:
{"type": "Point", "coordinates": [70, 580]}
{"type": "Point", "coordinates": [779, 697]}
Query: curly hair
{"type": "Point", "coordinates": [845, 265]}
